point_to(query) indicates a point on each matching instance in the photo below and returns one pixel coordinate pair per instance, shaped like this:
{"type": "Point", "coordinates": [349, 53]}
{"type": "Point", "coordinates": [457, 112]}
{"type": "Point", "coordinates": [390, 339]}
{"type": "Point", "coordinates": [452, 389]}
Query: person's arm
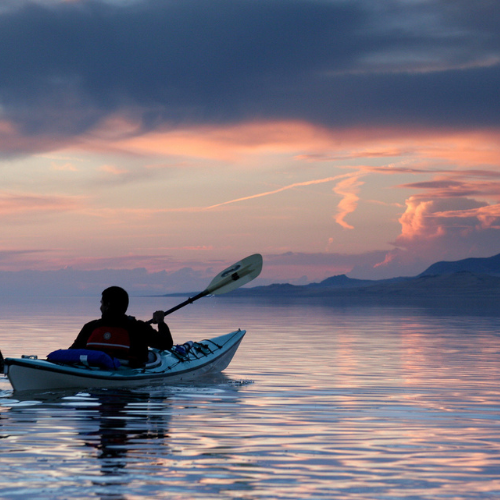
{"type": "Point", "coordinates": [161, 339]}
{"type": "Point", "coordinates": [82, 338]}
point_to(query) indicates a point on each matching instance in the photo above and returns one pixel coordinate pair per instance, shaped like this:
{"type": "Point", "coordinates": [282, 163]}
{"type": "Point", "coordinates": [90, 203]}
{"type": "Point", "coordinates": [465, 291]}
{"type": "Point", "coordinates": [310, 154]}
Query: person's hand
{"type": "Point", "coordinates": [158, 317]}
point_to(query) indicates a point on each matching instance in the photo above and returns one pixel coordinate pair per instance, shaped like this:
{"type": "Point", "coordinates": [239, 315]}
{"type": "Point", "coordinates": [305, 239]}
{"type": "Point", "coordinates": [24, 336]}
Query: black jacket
{"type": "Point", "coordinates": [142, 335]}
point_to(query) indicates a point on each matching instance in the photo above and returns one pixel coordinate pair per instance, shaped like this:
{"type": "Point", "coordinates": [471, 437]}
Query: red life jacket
{"type": "Point", "coordinates": [113, 340]}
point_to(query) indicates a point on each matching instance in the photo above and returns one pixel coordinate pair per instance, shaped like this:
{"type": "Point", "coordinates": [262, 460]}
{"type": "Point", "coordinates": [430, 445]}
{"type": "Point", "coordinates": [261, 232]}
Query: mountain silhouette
{"type": "Point", "coordinates": [487, 265]}
{"type": "Point", "coordinates": [462, 283]}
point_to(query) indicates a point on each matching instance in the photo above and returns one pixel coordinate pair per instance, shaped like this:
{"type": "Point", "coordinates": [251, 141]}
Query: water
{"type": "Point", "coordinates": [319, 403]}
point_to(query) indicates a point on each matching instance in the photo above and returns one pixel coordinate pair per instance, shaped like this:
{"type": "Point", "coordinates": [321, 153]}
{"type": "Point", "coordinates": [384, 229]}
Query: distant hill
{"type": "Point", "coordinates": [461, 288]}
{"type": "Point", "coordinates": [341, 281]}
{"type": "Point", "coordinates": [433, 284]}
{"type": "Point", "coordinates": [467, 284]}
{"type": "Point", "coordinates": [447, 287]}
{"type": "Point", "coordinates": [488, 265]}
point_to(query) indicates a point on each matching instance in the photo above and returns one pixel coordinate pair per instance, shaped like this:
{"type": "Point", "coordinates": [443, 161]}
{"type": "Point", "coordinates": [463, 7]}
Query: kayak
{"type": "Point", "coordinates": [180, 364]}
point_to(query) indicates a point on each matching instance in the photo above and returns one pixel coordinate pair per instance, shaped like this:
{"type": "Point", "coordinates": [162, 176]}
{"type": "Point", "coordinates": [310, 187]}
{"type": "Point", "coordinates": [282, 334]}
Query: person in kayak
{"type": "Point", "coordinates": [122, 336]}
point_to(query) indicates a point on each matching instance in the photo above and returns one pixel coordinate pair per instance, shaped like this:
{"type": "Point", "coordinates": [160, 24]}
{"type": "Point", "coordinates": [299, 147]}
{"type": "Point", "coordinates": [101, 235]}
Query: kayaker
{"type": "Point", "coordinates": [122, 336]}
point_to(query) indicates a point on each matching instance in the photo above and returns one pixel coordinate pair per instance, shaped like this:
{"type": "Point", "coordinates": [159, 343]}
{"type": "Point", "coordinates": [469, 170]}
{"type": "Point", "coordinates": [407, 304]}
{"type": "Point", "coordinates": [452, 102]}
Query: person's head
{"type": "Point", "coordinates": [114, 300]}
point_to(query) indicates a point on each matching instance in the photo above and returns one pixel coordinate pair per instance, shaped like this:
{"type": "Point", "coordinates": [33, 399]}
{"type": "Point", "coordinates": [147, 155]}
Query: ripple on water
{"type": "Point", "coordinates": [318, 403]}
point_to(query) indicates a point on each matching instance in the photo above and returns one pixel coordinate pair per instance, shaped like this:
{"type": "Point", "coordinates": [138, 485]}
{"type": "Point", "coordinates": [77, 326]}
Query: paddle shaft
{"type": "Point", "coordinates": [186, 302]}
{"type": "Point", "coordinates": [206, 292]}
{"type": "Point", "coordinates": [231, 278]}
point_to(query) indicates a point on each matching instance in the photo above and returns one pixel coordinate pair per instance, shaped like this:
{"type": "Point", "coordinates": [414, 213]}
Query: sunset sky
{"type": "Point", "coordinates": [331, 136]}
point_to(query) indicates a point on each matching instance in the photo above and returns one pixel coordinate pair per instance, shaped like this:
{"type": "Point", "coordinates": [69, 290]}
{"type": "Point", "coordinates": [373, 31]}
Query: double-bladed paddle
{"type": "Point", "coordinates": [230, 279]}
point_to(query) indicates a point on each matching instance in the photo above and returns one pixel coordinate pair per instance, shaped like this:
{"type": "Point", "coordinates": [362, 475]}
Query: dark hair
{"type": "Point", "coordinates": [116, 299]}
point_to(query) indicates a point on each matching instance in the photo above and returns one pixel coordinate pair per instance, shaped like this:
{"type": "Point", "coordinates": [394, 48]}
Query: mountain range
{"type": "Point", "coordinates": [469, 280]}
{"type": "Point", "coordinates": [489, 265]}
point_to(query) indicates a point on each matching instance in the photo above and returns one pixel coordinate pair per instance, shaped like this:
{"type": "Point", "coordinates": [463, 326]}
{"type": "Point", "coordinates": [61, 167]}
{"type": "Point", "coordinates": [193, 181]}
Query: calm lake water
{"type": "Point", "coordinates": [319, 402]}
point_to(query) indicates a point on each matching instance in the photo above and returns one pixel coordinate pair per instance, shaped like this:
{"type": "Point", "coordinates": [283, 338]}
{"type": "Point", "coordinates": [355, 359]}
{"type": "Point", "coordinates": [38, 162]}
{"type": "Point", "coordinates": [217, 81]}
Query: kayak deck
{"type": "Point", "coordinates": [27, 374]}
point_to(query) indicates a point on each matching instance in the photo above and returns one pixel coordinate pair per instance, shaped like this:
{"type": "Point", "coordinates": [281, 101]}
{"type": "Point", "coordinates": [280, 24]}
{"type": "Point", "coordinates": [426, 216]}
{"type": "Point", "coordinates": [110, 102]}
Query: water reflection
{"type": "Point", "coordinates": [124, 422]}
{"type": "Point", "coordinates": [359, 403]}
{"type": "Point", "coordinates": [101, 442]}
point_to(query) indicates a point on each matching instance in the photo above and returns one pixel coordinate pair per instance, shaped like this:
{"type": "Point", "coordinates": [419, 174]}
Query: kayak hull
{"type": "Point", "coordinates": [27, 374]}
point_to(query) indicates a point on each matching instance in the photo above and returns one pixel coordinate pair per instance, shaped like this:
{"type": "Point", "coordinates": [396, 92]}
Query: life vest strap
{"type": "Point", "coordinates": [113, 340]}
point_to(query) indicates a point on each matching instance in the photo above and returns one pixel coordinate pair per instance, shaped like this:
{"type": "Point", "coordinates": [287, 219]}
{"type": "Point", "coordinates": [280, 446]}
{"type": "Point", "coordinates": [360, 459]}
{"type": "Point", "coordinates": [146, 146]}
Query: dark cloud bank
{"type": "Point", "coordinates": [66, 66]}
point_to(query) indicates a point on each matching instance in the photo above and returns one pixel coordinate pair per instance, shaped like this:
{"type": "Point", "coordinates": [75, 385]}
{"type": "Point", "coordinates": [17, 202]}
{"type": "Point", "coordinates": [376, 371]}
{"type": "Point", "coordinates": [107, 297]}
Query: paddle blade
{"type": "Point", "coordinates": [237, 275]}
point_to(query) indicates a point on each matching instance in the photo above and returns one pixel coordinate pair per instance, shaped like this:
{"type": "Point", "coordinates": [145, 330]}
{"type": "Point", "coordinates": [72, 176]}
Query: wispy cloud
{"type": "Point", "coordinates": [488, 215]}
{"type": "Point", "coordinates": [454, 185]}
{"type": "Point", "coordinates": [15, 204]}
{"type": "Point", "coordinates": [279, 190]}
{"type": "Point", "coordinates": [63, 167]}
{"type": "Point", "coordinates": [367, 153]}
{"type": "Point", "coordinates": [348, 189]}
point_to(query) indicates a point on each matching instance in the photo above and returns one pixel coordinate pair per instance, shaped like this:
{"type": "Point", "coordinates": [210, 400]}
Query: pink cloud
{"type": "Point", "coordinates": [488, 216]}
{"type": "Point", "coordinates": [13, 142]}
{"type": "Point", "coordinates": [15, 204]}
{"type": "Point", "coordinates": [456, 184]}
{"type": "Point", "coordinates": [112, 170]}
{"type": "Point", "coordinates": [348, 189]}
{"type": "Point", "coordinates": [55, 258]}
{"type": "Point", "coordinates": [427, 219]}
{"type": "Point", "coordinates": [455, 215]}
{"type": "Point", "coordinates": [443, 229]}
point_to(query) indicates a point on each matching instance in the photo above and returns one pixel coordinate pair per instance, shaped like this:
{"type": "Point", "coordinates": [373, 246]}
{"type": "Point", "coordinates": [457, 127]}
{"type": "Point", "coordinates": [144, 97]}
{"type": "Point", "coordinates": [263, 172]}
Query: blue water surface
{"type": "Point", "coordinates": [319, 402]}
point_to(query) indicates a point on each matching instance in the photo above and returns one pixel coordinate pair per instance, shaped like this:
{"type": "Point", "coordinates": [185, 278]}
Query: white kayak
{"type": "Point", "coordinates": [167, 367]}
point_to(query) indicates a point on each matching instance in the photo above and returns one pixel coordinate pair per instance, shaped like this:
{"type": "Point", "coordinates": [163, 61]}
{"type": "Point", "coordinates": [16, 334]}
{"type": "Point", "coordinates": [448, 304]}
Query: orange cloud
{"type": "Point", "coordinates": [426, 219]}
{"type": "Point", "coordinates": [466, 153]}
{"type": "Point", "coordinates": [348, 189]}
{"type": "Point", "coordinates": [442, 229]}
{"type": "Point", "coordinates": [112, 169]}
{"type": "Point", "coordinates": [226, 143]}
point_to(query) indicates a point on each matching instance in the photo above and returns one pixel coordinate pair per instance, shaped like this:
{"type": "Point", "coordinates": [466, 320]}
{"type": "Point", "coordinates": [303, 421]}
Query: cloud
{"type": "Point", "coordinates": [280, 190]}
{"type": "Point", "coordinates": [453, 199]}
{"type": "Point", "coordinates": [219, 142]}
{"type": "Point", "coordinates": [459, 184]}
{"type": "Point", "coordinates": [455, 215]}
{"type": "Point", "coordinates": [348, 189]}
{"type": "Point", "coordinates": [54, 271]}
{"type": "Point", "coordinates": [66, 67]}
{"type": "Point", "coordinates": [75, 282]}
{"type": "Point", "coordinates": [488, 216]}
{"type": "Point", "coordinates": [18, 204]}
{"type": "Point", "coordinates": [428, 219]}
{"type": "Point", "coordinates": [434, 229]}
{"type": "Point", "coordinates": [65, 167]}
{"type": "Point", "coordinates": [113, 175]}
{"type": "Point", "coordinates": [14, 256]}
{"type": "Point", "coordinates": [355, 154]}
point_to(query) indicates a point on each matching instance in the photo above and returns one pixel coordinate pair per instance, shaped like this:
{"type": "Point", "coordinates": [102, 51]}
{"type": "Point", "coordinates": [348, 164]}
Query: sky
{"type": "Point", "coordinates": [179, 136]}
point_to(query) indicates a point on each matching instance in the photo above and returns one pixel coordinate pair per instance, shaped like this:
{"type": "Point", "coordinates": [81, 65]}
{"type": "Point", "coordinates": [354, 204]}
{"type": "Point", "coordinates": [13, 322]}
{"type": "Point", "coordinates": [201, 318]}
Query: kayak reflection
{"type": "Point", "coordinates": [124, 423]}
{"type": "Point", "coordinates": [109, 443]}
